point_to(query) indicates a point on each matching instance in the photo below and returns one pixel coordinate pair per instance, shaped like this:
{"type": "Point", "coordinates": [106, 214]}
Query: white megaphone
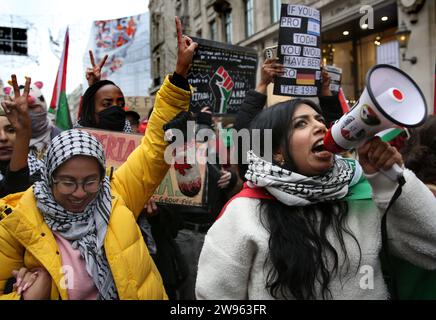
{"type": "Point", "coordinates": [391, 99]}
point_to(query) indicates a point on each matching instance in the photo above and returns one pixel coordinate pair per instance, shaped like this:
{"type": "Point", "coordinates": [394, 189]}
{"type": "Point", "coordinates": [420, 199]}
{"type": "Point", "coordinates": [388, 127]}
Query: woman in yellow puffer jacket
{"type": "Point", "coordinates": [74, 234]}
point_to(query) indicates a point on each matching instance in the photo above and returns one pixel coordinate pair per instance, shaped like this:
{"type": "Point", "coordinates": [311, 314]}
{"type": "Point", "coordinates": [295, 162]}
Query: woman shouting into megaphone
{"type": "Point", "coordinates": [307, 224]}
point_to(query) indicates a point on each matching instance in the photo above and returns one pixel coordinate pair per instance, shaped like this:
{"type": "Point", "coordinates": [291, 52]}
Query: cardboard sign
{"type": "Point", "coordinates": [220, 75]}
{"type": "Point", "coordinates": [117, 145]}
{"type": "Point", "coordinates": [139, 104]}
{"type": "Point", "coordinates": [335, 74]}
{"type": "Point", "coordinates": [299, 50]}
{"type": "Point", "coordinates": [117, 148]}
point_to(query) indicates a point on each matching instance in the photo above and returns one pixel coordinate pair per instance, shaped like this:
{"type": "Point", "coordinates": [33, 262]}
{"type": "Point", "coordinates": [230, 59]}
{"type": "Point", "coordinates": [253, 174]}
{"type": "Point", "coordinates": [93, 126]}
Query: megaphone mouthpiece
{"type": "Point", "coordinates": [331, 145]}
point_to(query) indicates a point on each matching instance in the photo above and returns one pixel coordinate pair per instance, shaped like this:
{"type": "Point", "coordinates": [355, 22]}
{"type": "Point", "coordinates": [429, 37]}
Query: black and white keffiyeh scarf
{"type": "Point", "coordinates": [127, 127]}
{"type": "Point", "coordinates": [35, 161]}
{"type": "Point", "coordinates": [294, 189]}
{"type": "Point", "coordinates": [85, 231]}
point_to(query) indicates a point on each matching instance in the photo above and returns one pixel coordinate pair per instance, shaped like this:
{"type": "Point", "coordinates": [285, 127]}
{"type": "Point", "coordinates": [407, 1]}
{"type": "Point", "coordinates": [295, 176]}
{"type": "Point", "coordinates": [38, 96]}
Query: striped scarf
{"type": "Point", "coordinates": [294, 189]}
{"type": "Point", "coordinates": [85, 231]}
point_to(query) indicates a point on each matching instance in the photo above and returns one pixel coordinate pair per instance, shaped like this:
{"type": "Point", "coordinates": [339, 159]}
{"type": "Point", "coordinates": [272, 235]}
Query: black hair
{"type": "Point", "coordinates": [279, 119]}
{"type": "Point", "coordinates": [87, 110]}
{"type": "Point", "coordinates": [298, 242]}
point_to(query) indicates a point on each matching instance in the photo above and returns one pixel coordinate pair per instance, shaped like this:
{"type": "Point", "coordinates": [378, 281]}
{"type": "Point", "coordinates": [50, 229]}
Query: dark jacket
{"type": "Point", "coordinates": [13, 181]}
{"type": "Point", "coordinates": [17, 181]}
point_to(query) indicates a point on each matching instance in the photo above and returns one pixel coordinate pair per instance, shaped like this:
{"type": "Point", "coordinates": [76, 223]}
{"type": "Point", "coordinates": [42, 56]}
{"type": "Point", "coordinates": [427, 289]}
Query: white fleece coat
{"type": "Point", "coordinates": [231, 264]}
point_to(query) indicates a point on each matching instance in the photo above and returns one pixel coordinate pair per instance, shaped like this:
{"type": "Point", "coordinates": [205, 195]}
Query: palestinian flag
{"type": "Point", "coordinates": [59, 102]}
{"type": "Point", "coordinates": [389, 134]}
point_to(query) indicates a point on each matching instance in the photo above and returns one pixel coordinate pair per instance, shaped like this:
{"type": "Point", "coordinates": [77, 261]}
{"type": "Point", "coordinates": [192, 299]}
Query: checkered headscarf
{"type": "Point", "coordinates": [86, 231]}
{"type": "Point", "coordinates": [72, 143]}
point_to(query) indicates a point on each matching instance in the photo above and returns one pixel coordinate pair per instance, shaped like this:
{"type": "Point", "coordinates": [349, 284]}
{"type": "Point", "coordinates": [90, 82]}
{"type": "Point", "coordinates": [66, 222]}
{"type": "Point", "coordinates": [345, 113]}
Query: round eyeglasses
{"type": "Point", "coordinates": [67, 187]}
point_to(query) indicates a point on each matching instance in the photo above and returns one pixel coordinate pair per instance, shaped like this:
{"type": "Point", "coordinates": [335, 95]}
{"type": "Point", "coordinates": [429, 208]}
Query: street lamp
{"type": "Point", "coordinates": [403, 35]}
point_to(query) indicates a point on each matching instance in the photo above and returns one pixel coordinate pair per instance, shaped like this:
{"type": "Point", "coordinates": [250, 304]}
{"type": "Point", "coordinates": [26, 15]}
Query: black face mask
{"type": "Point", "coordinates": [113, 118]}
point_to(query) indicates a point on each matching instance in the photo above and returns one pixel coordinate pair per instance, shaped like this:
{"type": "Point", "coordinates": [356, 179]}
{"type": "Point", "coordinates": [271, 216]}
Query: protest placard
{"type": "Point", "coordinates": [220, 75]}
{"type": "Point", "coordinates": [139, 104]}
{"type": "Point", "coordinates": [299, 51]}
{"type": "Point", "coordinates": [117, 145]}
{"type": "Point", "coordinates": [117, 148]}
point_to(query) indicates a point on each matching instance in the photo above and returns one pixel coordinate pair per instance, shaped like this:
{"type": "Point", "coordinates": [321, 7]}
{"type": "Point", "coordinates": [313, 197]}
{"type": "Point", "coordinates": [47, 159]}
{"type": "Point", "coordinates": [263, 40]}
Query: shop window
{"type": "Point", "coordinates": [389, 53]}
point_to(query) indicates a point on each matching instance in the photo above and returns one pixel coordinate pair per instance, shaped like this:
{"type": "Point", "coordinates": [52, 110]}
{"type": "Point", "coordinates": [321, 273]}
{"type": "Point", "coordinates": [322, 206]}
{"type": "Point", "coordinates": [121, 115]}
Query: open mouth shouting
{"type": "Point", "coordinates": [319, 151]}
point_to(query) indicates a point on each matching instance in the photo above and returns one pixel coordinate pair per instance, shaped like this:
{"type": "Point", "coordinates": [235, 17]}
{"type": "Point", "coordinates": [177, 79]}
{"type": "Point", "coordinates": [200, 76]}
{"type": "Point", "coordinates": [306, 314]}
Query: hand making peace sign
{"type": "Point", "coordinates": [17, 110]}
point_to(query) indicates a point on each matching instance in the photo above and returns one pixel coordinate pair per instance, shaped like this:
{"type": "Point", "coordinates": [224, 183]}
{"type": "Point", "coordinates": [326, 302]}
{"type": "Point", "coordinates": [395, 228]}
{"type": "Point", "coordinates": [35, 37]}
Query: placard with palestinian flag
{"type": "Point", "coordinates": [220, 76]}
{"type": "Point", "coordinates": [299, 51]}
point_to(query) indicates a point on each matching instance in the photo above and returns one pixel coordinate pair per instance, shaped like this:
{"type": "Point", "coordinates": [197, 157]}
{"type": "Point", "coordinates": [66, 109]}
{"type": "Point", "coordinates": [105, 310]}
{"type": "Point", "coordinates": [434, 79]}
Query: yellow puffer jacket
{"type": "Point", "coordinates": [26, 240]}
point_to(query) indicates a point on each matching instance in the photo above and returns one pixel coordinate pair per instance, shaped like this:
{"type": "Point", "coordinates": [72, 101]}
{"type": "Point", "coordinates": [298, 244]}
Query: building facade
{"type": "Point", "coordinates": [356, 34]}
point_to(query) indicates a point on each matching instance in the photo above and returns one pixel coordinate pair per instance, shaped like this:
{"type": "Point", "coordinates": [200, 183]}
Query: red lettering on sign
{"type": "Point", "coordinates": [100, 137]}
{"type": "Point", "coordinates": [130, 147]}
{"type": "Point", "coordinates": [111, 145]}
{"type": "Point", "coordinates": [121, 141]}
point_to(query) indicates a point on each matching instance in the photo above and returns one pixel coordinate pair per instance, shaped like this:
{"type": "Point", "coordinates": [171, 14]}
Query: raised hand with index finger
{"type": "Point", "coordinates": [94, 74]}
{"type": "Point", "coordinates": [185, 50]}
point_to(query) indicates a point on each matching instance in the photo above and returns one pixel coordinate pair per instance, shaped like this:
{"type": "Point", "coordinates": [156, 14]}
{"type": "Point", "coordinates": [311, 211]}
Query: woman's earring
{"type": "Point", "coordinates": [282, 162]}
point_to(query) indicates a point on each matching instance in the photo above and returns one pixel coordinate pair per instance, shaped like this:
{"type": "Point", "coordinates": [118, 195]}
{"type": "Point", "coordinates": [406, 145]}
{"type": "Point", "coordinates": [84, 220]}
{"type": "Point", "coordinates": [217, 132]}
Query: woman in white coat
{"type": "Point", "coordinates": [311, 230]}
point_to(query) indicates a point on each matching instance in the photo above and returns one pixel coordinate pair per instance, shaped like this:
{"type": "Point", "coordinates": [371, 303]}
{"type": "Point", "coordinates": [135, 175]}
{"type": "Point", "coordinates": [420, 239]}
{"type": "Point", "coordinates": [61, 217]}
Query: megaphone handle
{"type": "Point", "coordinates": [393, 173]}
